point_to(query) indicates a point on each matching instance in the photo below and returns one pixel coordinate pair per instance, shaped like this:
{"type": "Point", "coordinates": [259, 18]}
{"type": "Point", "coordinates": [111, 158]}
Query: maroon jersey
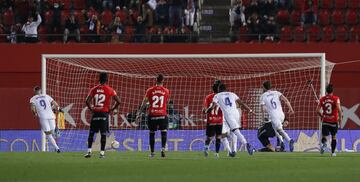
{"type": "Point", "coordinates": [330, 111]}
{"type": "Point", "coordinates": [102, 97]}
{"type": "Point", "coordinates": [215, 117]}
{"type": "Point", "coordinates": [157, 97]}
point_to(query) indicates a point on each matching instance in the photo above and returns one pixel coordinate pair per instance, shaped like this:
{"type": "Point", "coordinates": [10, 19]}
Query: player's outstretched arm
{"type": "Point", "coordinates": [117, 103]}
{"type": "Point", "coordinates": [33, 109]}
{"type": "Point", "coordinates": [287, 102]}
{"type": "Point", "coordinates": [242, 104]}
{"type": "Point", "coordinates": [88, 102]}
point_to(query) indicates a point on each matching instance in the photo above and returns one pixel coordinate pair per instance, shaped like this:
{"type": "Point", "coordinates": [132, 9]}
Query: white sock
{"type": "Point", "coordinates": [226, 144]}
{"type": "Point", "coordinates": [52, 141]}
{"type": "Point", "coordinates": [102, 152]}
{"type": "Point", "coordinates": [234, 142]}
{"type": "Point", "coordinates": [284, 134]}
{"type": "Point", "coordinates": [279, 137]}
{"type": "Point", "coordinates": [89, 150]}
{"type": "Point", "coordinates": [240, 136]}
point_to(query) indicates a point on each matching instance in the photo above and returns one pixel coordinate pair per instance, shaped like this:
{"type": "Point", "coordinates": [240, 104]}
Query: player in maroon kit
{"type": "Point", "coordinates": [157, 97]}
{"type": "Point", "coordinates": [98, 102]}
{"type": "Point", "coordinates": [214, 121]}
{"type": "Point", "coordinates": [329, 110]}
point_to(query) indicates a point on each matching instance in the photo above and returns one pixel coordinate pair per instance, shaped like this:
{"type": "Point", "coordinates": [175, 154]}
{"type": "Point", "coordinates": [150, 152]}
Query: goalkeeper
{"type": "Point", "coordinates": [267, 131]}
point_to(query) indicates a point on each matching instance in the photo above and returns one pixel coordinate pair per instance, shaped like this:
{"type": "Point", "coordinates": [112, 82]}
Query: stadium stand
{"type": "Point", "coordinates": [330, 20]}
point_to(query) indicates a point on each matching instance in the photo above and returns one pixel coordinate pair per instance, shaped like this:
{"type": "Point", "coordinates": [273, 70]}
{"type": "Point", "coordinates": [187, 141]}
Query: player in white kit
{"type": "Point", "coordinates": [42, 106]}
{"type": "Point", "coordinates": [229, 103]}
{"type": "Point", "coordinates": [270, 102]}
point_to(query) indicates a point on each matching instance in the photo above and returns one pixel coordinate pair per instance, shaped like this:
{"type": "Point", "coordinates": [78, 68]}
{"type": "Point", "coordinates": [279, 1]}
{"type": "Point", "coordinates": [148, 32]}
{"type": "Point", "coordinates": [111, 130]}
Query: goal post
{"type": "Point", "coordinates": [68, 77]}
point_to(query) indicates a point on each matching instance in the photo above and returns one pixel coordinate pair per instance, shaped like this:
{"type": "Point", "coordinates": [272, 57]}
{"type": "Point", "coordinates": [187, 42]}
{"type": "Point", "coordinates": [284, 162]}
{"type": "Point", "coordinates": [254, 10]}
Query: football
{"type": "Point", "coordinates": [115, 144]}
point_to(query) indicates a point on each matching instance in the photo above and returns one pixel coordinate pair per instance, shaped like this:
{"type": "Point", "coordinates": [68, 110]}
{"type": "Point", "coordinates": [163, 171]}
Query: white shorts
{"type": "Point", "coordinates": [277, 121]}
{"type": "Point", "coordinates": [231, 122]}
{"type": "Point", "coordinates": [47, 124]}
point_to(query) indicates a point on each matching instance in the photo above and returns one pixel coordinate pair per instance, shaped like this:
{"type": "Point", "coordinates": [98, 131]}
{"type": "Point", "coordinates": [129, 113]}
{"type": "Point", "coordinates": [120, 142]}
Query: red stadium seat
{"type": "Point", "coordinates": [326, 4]}
{"type": "Point", "coordinates": [337, 17]}
{"type": "Point", "coordinates": [327, 34]}
{"type": "Point", "coordinates": [341, 34]}
{"type": "Point", "coordinates": [286, 34]}
{"type": "Point", "coordinates": [42, 33]}
{"type": "Point", "coordinates": [340, 4]}
{"type": "Point", "coordinates": [106, 17]}
{"type": "Point", "coordinates": [129, 33]}
{"type": "Point", "coordinates": [295, 17]}
{"type": "Point", "coordinates": [324, 17]}
{"type": "Point", "coordinates": [48, 17]}
{"type": "Point", "coordinates": [64, 15]}
{"type": "Point", "coordinates": [2, 36]}
{"type": "Point", "coordinates": [299, 34]}
{"type": "Point", "coordinates": [8, 18]}
{"type": "Point", "coordinates": [283, 16]}
{"type": "Point", "coordinates": [352, 17]}
{"type": "Point", "coordinates": [243, 31]}
{"type": "Point", "coordinates": [79, 16]}
{"type": "Point", "coordinates": [79, 4]}
{"type": "Point", "coordinates": [298, 4]}
{"type": "Point", "coordinates": [353, 4]}
{"type": "Point", "coordinates": [66, 3]}
{"type": "Point", "coordinates": [354, 33]}
{"type": "Point", "coordinates": [313, 33]}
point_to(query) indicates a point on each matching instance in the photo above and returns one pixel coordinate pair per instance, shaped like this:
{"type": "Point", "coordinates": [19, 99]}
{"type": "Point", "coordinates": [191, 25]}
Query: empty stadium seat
{"type": "Point", "coordinates": [326, 4]}
{"type": "Point", "coordinates": [246, 3]}
{"type": "Point", "coordinates": [340, 4]}
{"type": "Point", "coordinates": [313, 33]}
{"type": "Point", "coordinates": [48, 17]}
{"type": "Point", "coordinates": [64, 15]}
{"type": "Point", "coordinates": [354, 33]}
{"type": "Point", "coordinates": [67, 4]}
{"type": "Point", "coordinates": [243, 31]}
{"type": "Point", "coordinates": [352, 17]}
{"type": "Point", "coordinates": [353, 4]}
{"type": "Point", "coordinates": [337, 17]}
{"type": "Point", "coordinates": [298, 4]}
{"type": "Point", "coordinates": [286, 34]}
{"type": "Point", "coordinates": [341, 34]}
{"type": "Point", "coordinates": [295, 17]}
{"type": "Point", "coordinates": [327, 34]}
{"type": "Point", "coordinates": [283, 16]}
{"type": "Point", "coordinates": [79, 4]}
{"type": "Point", "coordinates": [324, 17]}
{"type": "Point", "coordinates": [299, 34]}
{"type": "Point", "coordinates": [8, 17]}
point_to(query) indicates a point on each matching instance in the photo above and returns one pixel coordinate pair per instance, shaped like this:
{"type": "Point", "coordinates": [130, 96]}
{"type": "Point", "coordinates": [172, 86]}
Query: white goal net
{"type": "Point", "coordinates": [68, 78]}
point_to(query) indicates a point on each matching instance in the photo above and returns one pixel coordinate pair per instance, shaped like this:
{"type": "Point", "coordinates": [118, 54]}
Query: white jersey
{"type": "Point", "coordinates": [227, 102]}
{"type": "Point", "coordinates": [271, 100]}
{"type": "Point", "coordinates": [43, 106]}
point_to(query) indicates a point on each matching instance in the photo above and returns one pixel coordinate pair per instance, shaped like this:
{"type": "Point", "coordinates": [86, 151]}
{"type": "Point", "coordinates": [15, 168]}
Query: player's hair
{"type": "Point", "coordinates": [329, 88]}
{"type": "Point", "coordinates": [36, 89]}
{"type": "Point", "coordinates": [267, 85]}
{"type": "Point", "coordinates": [222, 87]}
{"type": "Point", "coordinates": [215, 86]}
{"type": "Point", "coordinates": [103, 77]}
{"type": "Point", "coordinates": [159, 79]}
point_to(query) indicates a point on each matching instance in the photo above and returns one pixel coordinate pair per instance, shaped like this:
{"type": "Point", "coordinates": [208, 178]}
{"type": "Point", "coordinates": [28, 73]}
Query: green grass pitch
{"type": "Point", "coordinates": [179, 166]}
